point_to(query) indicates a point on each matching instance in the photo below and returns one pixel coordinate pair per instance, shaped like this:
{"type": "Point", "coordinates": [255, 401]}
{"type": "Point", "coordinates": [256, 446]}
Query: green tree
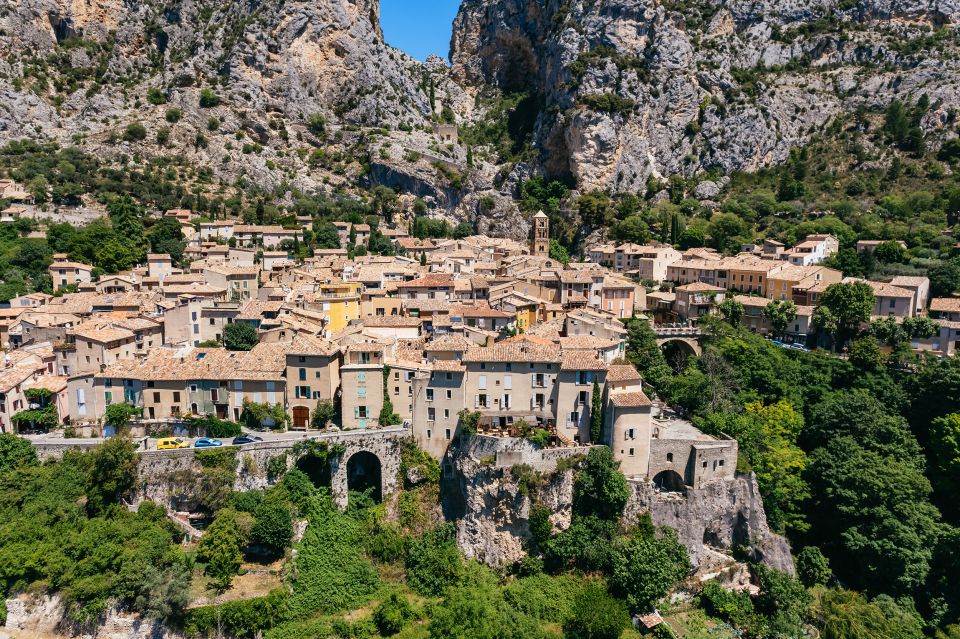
{"type": "Point", "coordinates": [600, 488]}
{"type": "Point", "coordinates": [644, 352]}
{"type": "Point", "coordinates": [596, 415]}
{"type": "Point", "coordinates": [648, 566]}
{"type": "Point", "coordinates": [780, 313]}
{"type": "Point", "coordinates": [870, 504]}
{"type": "Point", "coordinates": [813, 567]}
{"type": "Point", "coordinates": [632, 229]}
{"type": "Point", "coordinates": [166, 236]}
{"type": "Point", "coordinates": [845, 614]}
{"type": "Point", "coordinates": [843, 308]}
{"type": "Point", "coordinates": [323, 414]}
{"type": "Point", "coordinates": [890, 252]}
{"type": "Point", "coordinates": [393, 614]}
{"type": "Point", "coordinates": [945, 454]}
{"type": "Point", "coordinates": [866, 355]}
{"type": "Point", "coordinates": [15, 452]}
{"type": "Point", "coordinates": [727, 232]}
{"type": "Point", "coordinates": [221, 548]}
{"type": "Point", "coordinates": [240, 336]}
{"type": "Point", "coordinates": [326, 235]}
{"type": "Point", "coordinates": [119, 415]}
{"type": "Point", "coordinates": [731, 310]}
{"type": "Point", "coordinates": [558, 252]}
{"type": "Point", "coordinates": [434, 563]}
{"type": "Point", "coordinates": [387, 417]}
{"type": "Point", "coordinates": [112, 472]}
{"type": "Point", "coordinates": [691, 237]}
{"type": "Point", "coordinates": [596, 615]}
{"type": "Point", "coordinates": [273, 529]}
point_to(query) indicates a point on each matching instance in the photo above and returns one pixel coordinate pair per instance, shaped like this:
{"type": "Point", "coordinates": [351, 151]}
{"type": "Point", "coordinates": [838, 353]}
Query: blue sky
{"type": "Point", "coordinates": [419, 27]}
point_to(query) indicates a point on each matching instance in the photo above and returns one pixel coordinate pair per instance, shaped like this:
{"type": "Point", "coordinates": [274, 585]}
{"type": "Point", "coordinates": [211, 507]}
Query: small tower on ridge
{"type": "Point", "coordinates": [541, 235]}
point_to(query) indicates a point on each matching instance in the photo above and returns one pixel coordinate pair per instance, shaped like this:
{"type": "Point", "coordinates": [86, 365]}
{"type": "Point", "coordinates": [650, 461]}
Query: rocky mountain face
{"type": "Point", "coordinates": [639, 88]}
{"type": "Point", "coordinates": [491, 503]}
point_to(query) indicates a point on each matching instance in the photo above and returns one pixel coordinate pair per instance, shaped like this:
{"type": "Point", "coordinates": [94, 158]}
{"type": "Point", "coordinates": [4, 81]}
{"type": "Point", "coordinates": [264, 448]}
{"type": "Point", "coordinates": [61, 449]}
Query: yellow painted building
{"type": "Point", "coordinates": [526, 317]}
{"type": "Point", "coordinates": [339, 302]}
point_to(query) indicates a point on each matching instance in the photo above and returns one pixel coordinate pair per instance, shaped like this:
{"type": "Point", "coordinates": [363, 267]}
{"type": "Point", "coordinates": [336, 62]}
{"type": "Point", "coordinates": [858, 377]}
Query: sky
{"type": "Point", "coordinates": [419, 27]}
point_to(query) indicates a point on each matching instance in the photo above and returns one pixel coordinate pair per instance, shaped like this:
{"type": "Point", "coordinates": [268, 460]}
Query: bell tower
{"type": "Point", "coordinates": [541, 235]}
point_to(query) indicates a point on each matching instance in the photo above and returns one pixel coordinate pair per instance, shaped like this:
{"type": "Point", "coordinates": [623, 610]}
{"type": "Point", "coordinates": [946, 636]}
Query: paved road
{"type": "Point", "coordinates": [55, 439]}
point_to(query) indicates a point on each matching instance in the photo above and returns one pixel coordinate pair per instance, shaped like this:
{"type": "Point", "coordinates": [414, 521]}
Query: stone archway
{"type": "Point", "coordinates": [365, 472]}
{"type": "Point", "coordinates": [669, 481]}
{"type": "Point", "coordinates": [688, 345]}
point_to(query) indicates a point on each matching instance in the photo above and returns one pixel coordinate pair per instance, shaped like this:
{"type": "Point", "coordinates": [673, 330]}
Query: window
{"type": "Point", "coordinates": [431, 414]}
{"type": "Point", "coordinates": [156, 398]}
{"type": "Point", "coordinates": [449, 376]}
{"type": "Point", "coordinates": [509, 366]}
{"type": "Point", "coordinates": [482, 382]}
{"type": "Point", "coordinates": [301, 359]}
{"type": "Point", "coordinates": [303, 374]}
{"type": "Point", "coordinates": [483, 401]}
{"type": "Point", "coordinates": [483, 366]}
{"type": "Point", "coordinates": [396, 375]}
{"type": "Point", "coordinates": [631, 452]}
{"type": "Point", "coordinates": [670, 458]}
{"type": "Point", "coordinates": [361, 378]}
{"type": "Point", "coordinates": [108, 397]}
{"type": "Point", "coordinates": [429, 433]}
{"type": "Point", "coordinates": [396, 390]}
{"type": "Point", "coordinates": [362, 412]}
{"type": "Point", "coordinates": [150, 384]}
{"type": "Point", "coordinates": [429, 394]}
{"type": "Point", "coordinates": [446, 413]}
{"type": "Point", "coordinates": [508, 382]}
{"type": "Point", "coordinates": [193, 388]}
{"type": "Point", "coordinates": [176, 397]}
{"type": "Point", "coordinates": [447, 433]}
{"type": "Point", "coordinates": [629, 434]}
{"type": "Point", "coordinates": [721, 463]}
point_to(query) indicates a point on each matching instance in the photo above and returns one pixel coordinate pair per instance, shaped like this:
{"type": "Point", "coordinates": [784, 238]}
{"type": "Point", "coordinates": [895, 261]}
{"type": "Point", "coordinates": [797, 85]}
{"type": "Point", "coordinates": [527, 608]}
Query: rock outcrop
{"type": "Point", "coordinates": [640, 88]}
{"type": "Point", "coordinates": [492, 507]}
{"type": "Point", "coordinates": [46, 616]}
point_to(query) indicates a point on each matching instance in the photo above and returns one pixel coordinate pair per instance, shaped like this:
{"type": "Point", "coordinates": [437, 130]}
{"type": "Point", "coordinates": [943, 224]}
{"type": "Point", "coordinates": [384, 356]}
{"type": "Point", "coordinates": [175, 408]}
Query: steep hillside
{"type": "Point", "coordinates": [634, 88]}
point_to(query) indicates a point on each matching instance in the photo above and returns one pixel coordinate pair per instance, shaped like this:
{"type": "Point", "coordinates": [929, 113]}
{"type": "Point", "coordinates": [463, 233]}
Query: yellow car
{"type": "Point", "coordinates": [172, 443]}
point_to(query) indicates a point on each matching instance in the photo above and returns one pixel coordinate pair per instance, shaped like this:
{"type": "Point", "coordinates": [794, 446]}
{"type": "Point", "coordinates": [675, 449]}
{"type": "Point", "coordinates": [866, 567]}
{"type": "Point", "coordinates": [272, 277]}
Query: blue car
{"type": "Point", "coordinates": [207, 442]}
{"type": "Point", "coordinates": [777, 342]}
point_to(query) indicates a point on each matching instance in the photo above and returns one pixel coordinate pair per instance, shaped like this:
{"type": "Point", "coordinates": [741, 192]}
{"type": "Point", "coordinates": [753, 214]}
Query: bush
{"type": "Point", "coordinates": [546, 598]}
{"type": "Point", "coordinates": [135, 132]}
{"type": "Point", "coordinates": [220, 548]}
{"type": "Point", "coordinates": [274, 527]}
{"type": "Point", "coordinates": [173, 115]}
{"type": "Point", "coordinates": [241, 619]}
{"type": "Point", "coordinates": [648, 566]}
{"type": "Point", "coordinates": [596, 615]}
{"type": "Point", "coordinates": [434, 562]}
{"type": "Point", "coordinates": [393, 614]}
{"type": "Point", "coordinates": [813, 567]}
{"type": "Point", "coordinates": [208, 99]}
{"type": "Point", "coordinates": [156, 96]}
{"type": "Point", "coordinates": [330, 570]}
{"type": "Point", "coordinates": [240, 336]}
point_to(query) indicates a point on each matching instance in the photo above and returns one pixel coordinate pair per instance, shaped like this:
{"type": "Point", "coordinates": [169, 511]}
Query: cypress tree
{"type": "Point", "coordinates": [596, 415]}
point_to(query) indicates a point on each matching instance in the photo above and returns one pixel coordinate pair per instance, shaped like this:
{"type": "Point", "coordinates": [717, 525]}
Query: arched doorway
{"type": "Point", "coordinates": [317, 468]}
{"type": "Point", "coordinates": [677, 354]}
{"type": "Point", "coordinates": [301, 416]}
{"type": "Point", "coordinates": [365, 474]}
{"type": "Point", "coordinates": [669, 481]}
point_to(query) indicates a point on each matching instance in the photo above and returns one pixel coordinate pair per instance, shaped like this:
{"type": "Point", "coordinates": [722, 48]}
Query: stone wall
{"type": "Point", "coordinates": [162, 473]}
{"type": "Point", "coordinates": [492, 514]}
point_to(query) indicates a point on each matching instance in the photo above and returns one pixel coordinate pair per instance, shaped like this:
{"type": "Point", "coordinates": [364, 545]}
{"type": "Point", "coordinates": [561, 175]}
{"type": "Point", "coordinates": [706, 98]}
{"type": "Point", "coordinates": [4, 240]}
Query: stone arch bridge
{"type": "Point", "coordinates": [362, 459]}
{"type": "Point", "coordinates": [687, 337]}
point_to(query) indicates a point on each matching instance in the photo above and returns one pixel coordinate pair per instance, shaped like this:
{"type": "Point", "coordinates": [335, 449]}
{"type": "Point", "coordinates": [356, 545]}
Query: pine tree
{"type": "Point", "coordinates": [596, 415]}
{"type": "Point", "coordinates": [433, 96]}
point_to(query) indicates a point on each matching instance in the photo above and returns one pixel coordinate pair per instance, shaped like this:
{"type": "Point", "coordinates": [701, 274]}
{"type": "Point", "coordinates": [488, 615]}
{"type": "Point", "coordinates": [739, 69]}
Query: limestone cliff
{"type": "Point", "coordinates": [634, 88]}
{"type": "Point", "coordinates": [492, 509]}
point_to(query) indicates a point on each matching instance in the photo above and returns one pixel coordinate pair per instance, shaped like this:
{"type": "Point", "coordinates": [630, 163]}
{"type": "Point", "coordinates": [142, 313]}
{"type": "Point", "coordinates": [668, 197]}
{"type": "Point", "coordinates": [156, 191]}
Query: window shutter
{"type": "Point", "coordinates": [356, 411]}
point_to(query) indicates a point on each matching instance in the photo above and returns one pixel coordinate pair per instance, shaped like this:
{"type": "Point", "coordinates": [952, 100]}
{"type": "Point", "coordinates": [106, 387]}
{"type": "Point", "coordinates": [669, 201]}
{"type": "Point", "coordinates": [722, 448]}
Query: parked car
{"type": "Point", "coordinates": [246, 439]}
{"type": "Point", "coordinates": [799, 347]}
{"type": "Point", "coordinates": [777, 342]}
{"type": "Point", "coordinates": [207, 442]}
{"type": "Point", "coordinates": [172, 443]}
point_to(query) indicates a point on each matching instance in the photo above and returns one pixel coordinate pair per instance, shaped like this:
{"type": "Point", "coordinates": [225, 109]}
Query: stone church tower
{"type": "Point", "coordinates": [541, 235]}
